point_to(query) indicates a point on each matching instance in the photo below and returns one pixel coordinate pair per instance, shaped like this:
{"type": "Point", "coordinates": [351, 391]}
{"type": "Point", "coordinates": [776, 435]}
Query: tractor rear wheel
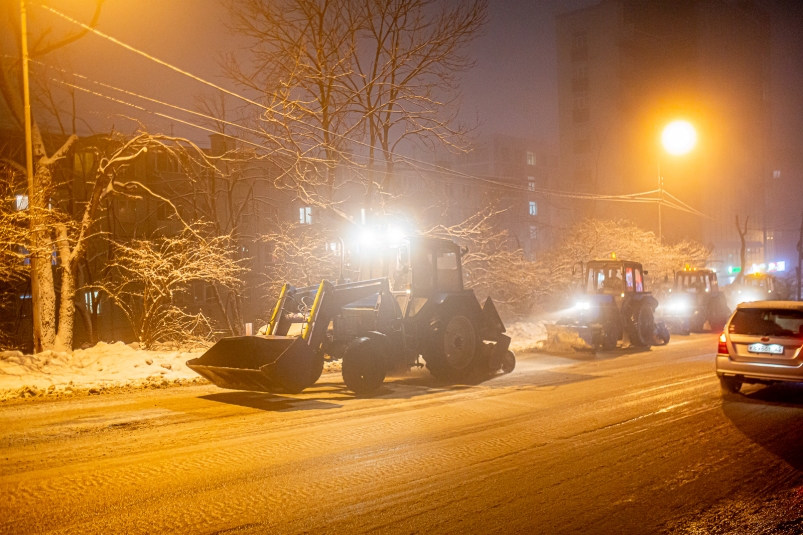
{"type": "Point", "coordinates": [642, 328]}
{"type": "Point", "coordinates": [364, 366]}
{"type": "Point", "coordinates": [450, 352]}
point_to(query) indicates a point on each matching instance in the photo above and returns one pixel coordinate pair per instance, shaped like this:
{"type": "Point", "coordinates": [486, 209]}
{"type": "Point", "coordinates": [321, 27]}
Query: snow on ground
{"type": "Point", "coordinates": [111, 367]}
{"type": "Point", "coordinates": [91, 371]}
{"type": "Point", "coordinates": [102, 368]}
{"type": "Point", "coordinates": [527, 336]}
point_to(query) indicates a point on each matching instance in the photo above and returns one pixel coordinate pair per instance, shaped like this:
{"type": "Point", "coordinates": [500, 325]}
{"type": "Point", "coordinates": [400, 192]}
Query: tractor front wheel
{"type": "Point", "coordinates": [363, 366]}
{"type": "Point", "coordinates": [451, 348]}
{"type": "Point", "coordinates": [508, 362]}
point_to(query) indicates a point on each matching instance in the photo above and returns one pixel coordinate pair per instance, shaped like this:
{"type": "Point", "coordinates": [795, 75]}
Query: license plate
{"type": "Point", "coordinates": [772, 349]}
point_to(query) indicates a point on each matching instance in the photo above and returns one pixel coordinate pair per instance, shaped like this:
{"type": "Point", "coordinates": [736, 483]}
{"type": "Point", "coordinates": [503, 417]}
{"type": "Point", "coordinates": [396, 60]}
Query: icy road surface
{"type": "Point", "coordinates": [620, 443]}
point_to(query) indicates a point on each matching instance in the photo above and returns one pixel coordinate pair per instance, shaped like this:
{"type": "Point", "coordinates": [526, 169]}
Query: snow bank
{"type": "Point", "coordinates": [527, 336]}
{"type": "Point", "coordinates": [99, 369]}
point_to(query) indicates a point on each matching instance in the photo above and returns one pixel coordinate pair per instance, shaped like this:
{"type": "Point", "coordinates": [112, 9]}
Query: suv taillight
{"type": "Point", "coordinates": [722, 349]}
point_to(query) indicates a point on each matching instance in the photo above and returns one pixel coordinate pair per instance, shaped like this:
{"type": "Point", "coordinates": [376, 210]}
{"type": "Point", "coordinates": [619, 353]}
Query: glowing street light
{"type": "Point", "coordinates": [679, 138]}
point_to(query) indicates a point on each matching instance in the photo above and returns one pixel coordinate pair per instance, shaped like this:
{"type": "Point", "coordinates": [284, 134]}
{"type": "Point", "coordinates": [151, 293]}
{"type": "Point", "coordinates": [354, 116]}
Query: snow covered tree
{"type": "Point", "coordinates": [150, 279]}
{"type": "Point", "coordinates": [592, 239]}
{"type": "Point", "coordinates": [493, 266]}
{"type": "Point", "coordinates": [302, 256]}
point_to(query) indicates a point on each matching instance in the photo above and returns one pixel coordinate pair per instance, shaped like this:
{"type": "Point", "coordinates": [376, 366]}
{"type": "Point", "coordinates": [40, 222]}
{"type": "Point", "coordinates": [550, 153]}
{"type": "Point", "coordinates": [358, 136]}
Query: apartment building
{"type": "Point", "coordinates": [626, 68]}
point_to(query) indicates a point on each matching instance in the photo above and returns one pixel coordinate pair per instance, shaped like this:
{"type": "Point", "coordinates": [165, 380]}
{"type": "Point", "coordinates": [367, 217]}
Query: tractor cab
{"type": "Point", "coordinates": [754, 287]}
{"type": "Point", "coordinates": [614, 277]}
{"type": "Point", "coordinates": [613, 303]}
{"type": "Point", "coordinates": [693, 301]}
{"type": "Point", "coordinates": [696, 281]}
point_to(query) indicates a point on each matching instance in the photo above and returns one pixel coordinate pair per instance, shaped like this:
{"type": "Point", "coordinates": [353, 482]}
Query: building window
{"type": "Point", "coordinates": [305, 215]}
{"type": "Point", "coordinates": [92, 300]}
{"type": "Point", "coordinates": [579, 46]}
{"type": "Point", "coordinates": [776, 174]}
{"type": "Point", "coordinates": [580, 79]}
{"type": "Point", "coordinates": [531, 183]}
{"type": "Point", "coordinates": [22, 202]}
{"type": "Point", "coordinates": [530, 158]}
{"type": "Point", "coordinates": [162, 212]}
{"type": "Point", "coordinates": [272, 213]}
{"type": "Point", "coordinates": [533, 232]}
{"type": "Point", "coordinates": [533, 208]}
{"type": "Point", "coordinates": [580, 113]}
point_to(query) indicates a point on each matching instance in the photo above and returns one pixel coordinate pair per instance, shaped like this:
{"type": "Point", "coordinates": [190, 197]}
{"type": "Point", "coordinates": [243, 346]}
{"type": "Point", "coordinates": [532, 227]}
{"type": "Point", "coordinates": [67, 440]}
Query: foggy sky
{"type": "Point", "coordinates": [512, 90]}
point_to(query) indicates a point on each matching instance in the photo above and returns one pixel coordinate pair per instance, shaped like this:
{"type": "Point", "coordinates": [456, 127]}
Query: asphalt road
{"type": "Point", "coordinates": [625, 442]}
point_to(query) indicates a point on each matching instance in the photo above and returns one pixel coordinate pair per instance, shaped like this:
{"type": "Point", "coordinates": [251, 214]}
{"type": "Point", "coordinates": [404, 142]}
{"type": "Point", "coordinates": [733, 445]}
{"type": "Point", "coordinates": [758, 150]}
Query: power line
{"type": "Point", "coordinates": [619, 198]}
{"type": "Point", "coordinates": [273, 110]}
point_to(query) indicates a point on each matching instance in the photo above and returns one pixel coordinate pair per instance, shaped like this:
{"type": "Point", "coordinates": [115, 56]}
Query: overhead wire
{"type": "Point", "coordinates": [636, 197]}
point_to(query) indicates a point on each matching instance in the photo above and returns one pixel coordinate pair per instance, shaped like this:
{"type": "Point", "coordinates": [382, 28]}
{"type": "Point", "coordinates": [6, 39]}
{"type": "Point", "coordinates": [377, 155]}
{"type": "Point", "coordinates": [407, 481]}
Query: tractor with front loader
{"type": "Point", "coordinates": [409, 303]}
{"type": "Point", "coordinates": [613, 304]}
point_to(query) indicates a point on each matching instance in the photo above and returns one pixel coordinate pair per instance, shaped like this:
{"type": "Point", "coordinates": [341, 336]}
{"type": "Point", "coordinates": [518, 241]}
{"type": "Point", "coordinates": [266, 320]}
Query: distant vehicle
{"type": "Point", "coordinates": [613, 304]}
{"type": "Point", "coordinates": [762, 343]}
{"type": "Point", "coordinates": [694, 300]}
{"type": "Point", "coordinates": [754, 287]}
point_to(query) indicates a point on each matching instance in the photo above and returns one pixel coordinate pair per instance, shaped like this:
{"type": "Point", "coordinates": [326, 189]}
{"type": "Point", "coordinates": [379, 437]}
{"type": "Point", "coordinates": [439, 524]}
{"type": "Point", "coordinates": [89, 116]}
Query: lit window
{"type": "Point", "coordinates": [776, 174]}
{"type": "Point", "coordinates": [92, 300]}
{"type": "Point", "coordinates": [362, 215]}
{"type": "Point", "coordinates": [531, 183]}
{"type": "Point", "coordinates": [533, 208]}
{"type": "Point", "coordinates": [305, 215]}
{"type": "Point", "coordinates": [22, 202]}
{"type": "Point", "coordinates": [530, 158]}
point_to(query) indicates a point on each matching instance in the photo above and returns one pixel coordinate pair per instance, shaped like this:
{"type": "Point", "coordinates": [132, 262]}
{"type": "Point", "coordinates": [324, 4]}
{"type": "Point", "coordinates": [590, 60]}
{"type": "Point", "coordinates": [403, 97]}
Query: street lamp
{"type": "Point", "coordinates": [678, 138]}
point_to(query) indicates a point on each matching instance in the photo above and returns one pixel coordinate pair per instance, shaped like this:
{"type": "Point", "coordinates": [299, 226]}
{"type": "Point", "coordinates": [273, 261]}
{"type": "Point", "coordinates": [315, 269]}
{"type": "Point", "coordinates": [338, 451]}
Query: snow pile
{"type": "Point", "coordinates": [102, 368]}
{"type": "Point", "coordinates": [527, 336]}
{"type": "Point", "coordinates": [91, 371]}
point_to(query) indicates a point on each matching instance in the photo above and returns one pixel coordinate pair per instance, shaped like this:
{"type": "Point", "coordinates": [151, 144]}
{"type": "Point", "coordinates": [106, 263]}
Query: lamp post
{"type": "Point", "coordinates": [678, 138]}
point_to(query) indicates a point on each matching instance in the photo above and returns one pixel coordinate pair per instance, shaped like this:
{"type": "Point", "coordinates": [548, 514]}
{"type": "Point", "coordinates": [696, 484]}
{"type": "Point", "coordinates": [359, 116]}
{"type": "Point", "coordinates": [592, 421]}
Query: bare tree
{"type": "Point", "coordinates": [406, 64]}
{"type": "Point", "coordinates": [493, 267]}
{"type": "Point", "coordinates": [302, 255]}
{"type": "Point", "coordinates": [332, 70]}
{"type": "Point", "coordinates": [149, 277]}
{"type": "Point", "coordinates": [46, 231]}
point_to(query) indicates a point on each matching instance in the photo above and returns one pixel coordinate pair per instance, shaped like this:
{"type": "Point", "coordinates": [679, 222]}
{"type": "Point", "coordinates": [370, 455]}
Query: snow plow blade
{"type": "Point", "coordinates": [283, 364]}
{"type": "Point", "coordinates": [568, 338]}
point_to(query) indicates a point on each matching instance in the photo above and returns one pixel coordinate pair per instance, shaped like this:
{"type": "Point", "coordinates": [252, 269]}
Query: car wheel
{"type": "Point", "coordinates": [730, 385]}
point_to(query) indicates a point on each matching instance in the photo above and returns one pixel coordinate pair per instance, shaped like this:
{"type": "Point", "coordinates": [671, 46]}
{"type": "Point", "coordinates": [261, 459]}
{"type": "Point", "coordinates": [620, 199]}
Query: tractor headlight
{"type": "Point", "coordinates": [678, 306]}
{"type": "Point", "coordinates": [582, 305]}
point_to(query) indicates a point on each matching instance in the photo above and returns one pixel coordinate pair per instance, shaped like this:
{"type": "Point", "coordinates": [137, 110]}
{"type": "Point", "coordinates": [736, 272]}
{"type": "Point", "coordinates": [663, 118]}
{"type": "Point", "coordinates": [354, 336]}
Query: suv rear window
{"type": "Point", "coordinates": [767, 322]}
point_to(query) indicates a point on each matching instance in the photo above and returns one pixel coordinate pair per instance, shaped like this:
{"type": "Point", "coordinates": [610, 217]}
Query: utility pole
{"type": "Point", "coordinates": [26, 95]}
{"type": "Point", "coordinates": [800, 261]}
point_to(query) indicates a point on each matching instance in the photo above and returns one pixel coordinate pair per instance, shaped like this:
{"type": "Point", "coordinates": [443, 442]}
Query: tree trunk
{"type": "Point", "coordinates": [64, 335]}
